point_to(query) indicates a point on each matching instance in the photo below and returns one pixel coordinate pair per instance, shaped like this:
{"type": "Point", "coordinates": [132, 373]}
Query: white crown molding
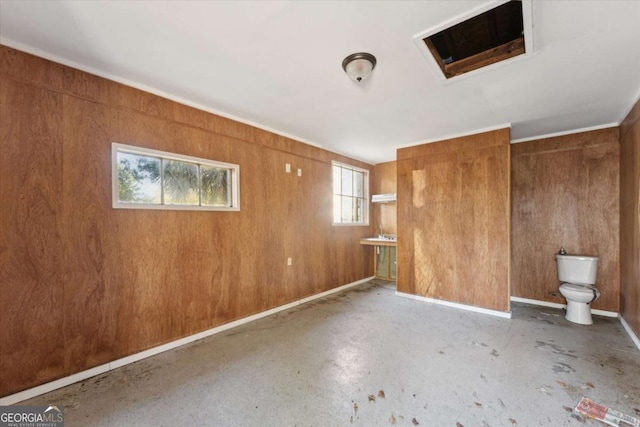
{"type": "Point", "coordinates": [568, 132]}
{"type": "Point", "coordinates": [136, 85]}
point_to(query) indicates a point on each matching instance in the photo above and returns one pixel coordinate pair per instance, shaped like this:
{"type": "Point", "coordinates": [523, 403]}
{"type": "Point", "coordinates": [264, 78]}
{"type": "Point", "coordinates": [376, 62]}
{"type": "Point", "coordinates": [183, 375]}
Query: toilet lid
{"type": "Point", "coordinates": [578, 288]}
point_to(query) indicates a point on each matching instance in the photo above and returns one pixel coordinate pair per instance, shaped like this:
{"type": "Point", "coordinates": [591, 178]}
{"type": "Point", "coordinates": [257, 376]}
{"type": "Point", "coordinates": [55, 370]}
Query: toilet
{"type": "Point", "coordinates": [577, 275]}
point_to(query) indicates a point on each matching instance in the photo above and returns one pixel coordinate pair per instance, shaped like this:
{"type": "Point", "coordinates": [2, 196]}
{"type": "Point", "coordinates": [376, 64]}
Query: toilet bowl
{"type": "Point", "coordinates": [579, 299]}
{"type": "Point", "coordinates": [577, 275]}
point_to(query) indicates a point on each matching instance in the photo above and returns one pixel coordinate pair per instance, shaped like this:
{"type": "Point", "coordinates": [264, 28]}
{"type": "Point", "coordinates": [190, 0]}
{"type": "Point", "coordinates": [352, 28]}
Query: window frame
{"type": "Point", "coordinates": [366, 195]}
{"type": "Point", "coordinates": [233, 184]}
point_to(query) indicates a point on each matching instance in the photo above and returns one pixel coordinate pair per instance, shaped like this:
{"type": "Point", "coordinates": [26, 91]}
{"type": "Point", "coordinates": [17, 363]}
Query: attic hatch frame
{"type": "Point", "coordinates": [527, 22]}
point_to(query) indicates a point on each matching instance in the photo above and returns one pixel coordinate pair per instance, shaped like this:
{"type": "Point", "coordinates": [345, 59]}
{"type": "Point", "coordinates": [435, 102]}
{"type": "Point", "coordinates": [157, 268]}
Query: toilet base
{"type": "Point", "coordinates": [579, 312]}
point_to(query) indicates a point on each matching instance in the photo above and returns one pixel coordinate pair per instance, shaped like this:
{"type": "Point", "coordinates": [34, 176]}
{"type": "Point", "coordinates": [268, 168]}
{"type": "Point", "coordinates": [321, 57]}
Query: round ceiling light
{"type": "Point", "coordinates": [358, 66]}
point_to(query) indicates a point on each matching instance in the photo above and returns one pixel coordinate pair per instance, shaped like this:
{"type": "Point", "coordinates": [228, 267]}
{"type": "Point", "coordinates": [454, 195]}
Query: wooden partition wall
{"type": "Point", "coordinates": [82, 284]}
{"type": "Point", "coordinates": [385, 214]}
{"type": "Point", "coordinates": [630, 218]}
{"type": "Point", "coordinates": [565, 192]}
{"type": "Point", "coordinates": [453, 220]}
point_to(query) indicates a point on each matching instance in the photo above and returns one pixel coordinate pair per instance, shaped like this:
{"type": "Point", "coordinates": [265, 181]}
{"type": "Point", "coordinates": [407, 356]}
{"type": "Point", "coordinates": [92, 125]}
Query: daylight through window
{"type": "Point", "coordinates": [350, 195]}
{"type": "Point", "coordinates": [151, 179]}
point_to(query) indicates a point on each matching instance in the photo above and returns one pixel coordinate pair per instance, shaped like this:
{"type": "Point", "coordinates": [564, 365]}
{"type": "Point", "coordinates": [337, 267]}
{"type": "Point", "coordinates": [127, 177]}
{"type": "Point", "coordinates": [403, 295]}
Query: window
{"type": "Point", "coordinates": [151, 179]}
{"type": "Point", "coordinates": [350, 195]}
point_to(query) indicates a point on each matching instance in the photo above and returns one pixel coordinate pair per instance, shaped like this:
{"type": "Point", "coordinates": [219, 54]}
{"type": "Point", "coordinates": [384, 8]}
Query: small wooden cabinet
{"type": "Point", "coordinates": [384, 259]}
{"type": "Point", "coordinates": [385, 264]}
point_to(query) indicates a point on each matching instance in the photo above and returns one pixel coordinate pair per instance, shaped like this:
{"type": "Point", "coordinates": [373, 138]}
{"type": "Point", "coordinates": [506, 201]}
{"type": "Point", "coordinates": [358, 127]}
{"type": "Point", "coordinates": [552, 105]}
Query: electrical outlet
{"type": "Point", "coordinates": [289, 261]}
{"type": "Point", "coordinates": [287, 168]}
{"type": "Point", "coordinates": [299, 172]}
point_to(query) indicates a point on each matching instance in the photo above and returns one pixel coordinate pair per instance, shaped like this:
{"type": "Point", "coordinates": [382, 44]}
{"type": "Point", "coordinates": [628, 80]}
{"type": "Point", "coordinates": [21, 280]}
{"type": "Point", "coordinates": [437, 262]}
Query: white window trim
{"type": "Point", "coordinates": [124, 148]}
{"type": "Point", "coordinates": [365, 223]}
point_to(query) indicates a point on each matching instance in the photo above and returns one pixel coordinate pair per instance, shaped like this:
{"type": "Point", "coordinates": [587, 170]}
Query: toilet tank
{"type": "Point", "coordinates": [577, 269]}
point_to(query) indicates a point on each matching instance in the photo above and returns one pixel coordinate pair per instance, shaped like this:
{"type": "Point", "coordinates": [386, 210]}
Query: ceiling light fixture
{"type": "Point", "coordinates": [358, 66]}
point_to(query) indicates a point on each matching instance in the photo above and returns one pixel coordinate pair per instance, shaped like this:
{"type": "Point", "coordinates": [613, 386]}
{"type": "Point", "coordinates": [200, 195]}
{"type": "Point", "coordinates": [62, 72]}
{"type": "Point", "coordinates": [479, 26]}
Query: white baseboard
{"type": "Point", "coordinates": [53, 385]}
{"type": "Point", "coordinates": [83, 375]}
{"type": "Point", "coordinates": [605, 313]}
{"type": "Point", "coordinates": [557, 305]}
{"type": "Point", "coordinates": [630, 331]}
{"type": "Point", "coordinates": [504, 314]}
{"type": "Point", "coordinates": [538, 302]}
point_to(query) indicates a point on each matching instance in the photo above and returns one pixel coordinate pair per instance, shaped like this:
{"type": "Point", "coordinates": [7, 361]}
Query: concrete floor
{"type": "Point", "coordinates": [367, 357]}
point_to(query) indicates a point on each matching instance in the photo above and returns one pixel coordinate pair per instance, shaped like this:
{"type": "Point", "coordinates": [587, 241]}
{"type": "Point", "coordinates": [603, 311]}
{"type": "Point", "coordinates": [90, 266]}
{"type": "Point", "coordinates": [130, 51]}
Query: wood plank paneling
{"type": "Point", "coordinates": [88, 242]}
{"type": "Point", "coordinates": [453, 146]}
{"type": "Point", "coordinates": [565, 193]}
{"type": "Point", "coordinates": [32, 344]}
{"type": "Point", "coordinates": [20, 66]}
{"type": "Point", "coordinates": [82, 283]}
{"type": "Point", "coordinates": [453, 220]}
{"type": "Point", "coordinates": [385, 181]}
{"type": "Point", "coordinates": [631, 121]}
{"type": "Point", "coordinates": [630, 218]}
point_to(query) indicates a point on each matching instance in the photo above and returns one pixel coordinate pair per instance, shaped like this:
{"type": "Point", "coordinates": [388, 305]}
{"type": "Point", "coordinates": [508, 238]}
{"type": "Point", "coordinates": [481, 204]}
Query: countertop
{"type": "Point", "coordinates": [378, 241]}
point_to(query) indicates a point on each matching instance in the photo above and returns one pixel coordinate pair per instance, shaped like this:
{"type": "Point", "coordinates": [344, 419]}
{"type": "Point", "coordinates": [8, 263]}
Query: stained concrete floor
{"type": "Point", "coordinates": [370, 358]}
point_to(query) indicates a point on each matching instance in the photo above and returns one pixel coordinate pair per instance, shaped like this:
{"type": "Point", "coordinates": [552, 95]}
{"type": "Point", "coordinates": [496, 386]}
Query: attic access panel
{"type": "Point", "coordinates": [492, 36]}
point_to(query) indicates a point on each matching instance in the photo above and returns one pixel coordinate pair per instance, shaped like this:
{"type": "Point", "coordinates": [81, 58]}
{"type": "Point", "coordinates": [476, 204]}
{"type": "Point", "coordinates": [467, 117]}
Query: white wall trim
{"type": "Point", "coordinates": [455, 135]}
{"type": "Point", "coordinates": [504, 314]}
{"type": "Point", "coordinates": [630, 331]}
{"type": "Point", "coordinates": [597, 312]}
{"type": "Point", "coordinates": [83, 375]}
{"type": "Point", "coordinates": [538, 302]}
{"type": "Point", "coordinates": [566, 132]}
{"type": "Point", "coordinates": [53, 385]}
{"type": "Point", "coordinates": [149, 89]}
{"type": "Point", "coordinates": [605, 313]}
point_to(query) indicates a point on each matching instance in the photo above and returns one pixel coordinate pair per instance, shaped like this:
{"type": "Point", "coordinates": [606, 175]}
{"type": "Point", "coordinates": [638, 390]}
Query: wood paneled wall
{"type": "Point", "coordinates": [82, 284]}
{"type": "Point", "coordinates": [454, 220]}
{"type": "Point", "coordinates": [630, 218]}
{"type": "Point", "coordinates": [565, 193]}
{"type": "Point", "coordinates": [385, 181]}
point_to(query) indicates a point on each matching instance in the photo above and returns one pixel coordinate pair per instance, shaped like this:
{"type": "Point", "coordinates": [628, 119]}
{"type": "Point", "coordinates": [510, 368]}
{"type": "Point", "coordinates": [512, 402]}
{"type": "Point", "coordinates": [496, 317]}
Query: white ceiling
{"type": "Point", "coordinates": [277, 65]}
